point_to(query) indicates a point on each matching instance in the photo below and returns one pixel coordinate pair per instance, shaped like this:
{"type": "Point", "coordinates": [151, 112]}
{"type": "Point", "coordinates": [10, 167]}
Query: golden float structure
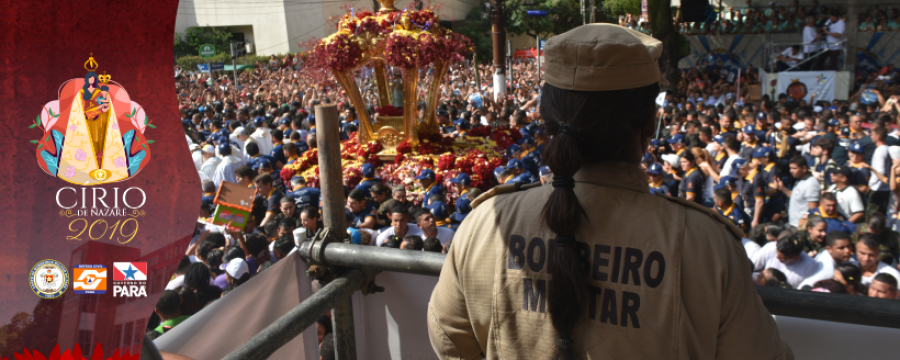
{"type": "Point", "coordinates": [371, 34]}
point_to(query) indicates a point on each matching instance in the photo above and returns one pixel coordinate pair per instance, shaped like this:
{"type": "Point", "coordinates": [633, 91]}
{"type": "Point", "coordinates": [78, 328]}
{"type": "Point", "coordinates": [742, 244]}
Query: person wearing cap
{"type": "Point", "coordinates": [269, 196]}
{"type": "Point", "coordinates": [262, 135]}
{"type": "Point", "coordinates": [210, 161]}
{"type": "Point", "coordinates": [431, 187]}
{"type": "Point", "coordinates": [728, 208]}
{"type": "Point", "coordinates": [237, 272]}
{"type": "Point", "coordinates": [677, 144]}
{"type": "Point", "coordinates": [493, 291]}
{"type": "Point", "coordinates": [463, 184]}
{"type": "Point", "coordinates": [545, 174]}
{"type": "Point", "coordinates": [859, 168]}
{"type": "Point", "coordinates": [518, 173]}
{"type": "Point", "coordinates": [821, 150]}
{"type": "Point", "coordinates": [750, 143]}
{"type": "Point", "coordinates": [303, 196]}
{"type": "Point", "coordinates": [440, 211]}
{"type": "Point", "coordinates": [655, 180]}
{"type": "Point", "coordinates": [229, 163]}
{"type": "Point", "coordinates": [369, 179]}
{"type": "Point", "coordinates": [850, 202]}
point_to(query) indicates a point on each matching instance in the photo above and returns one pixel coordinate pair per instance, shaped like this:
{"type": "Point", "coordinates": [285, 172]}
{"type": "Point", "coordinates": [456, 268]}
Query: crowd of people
{"type": "Point", "coordinates": [813, 185]}
{"type": "Point", "coordinates": [775, 19]}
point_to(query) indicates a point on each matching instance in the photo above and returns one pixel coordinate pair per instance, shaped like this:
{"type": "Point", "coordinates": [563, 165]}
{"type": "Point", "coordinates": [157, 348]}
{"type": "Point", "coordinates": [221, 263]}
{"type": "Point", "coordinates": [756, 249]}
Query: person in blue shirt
{"type": "Point", "coordinates": [218, 131]}
{"type": "Point", "coordinates": [277, 146]}
{"type": "Point", "coordinates": [443, 119]}
{"type": "Point", "coordinates": [750, 143]}
{"type": "Point", "coordinates": [857, 163]}
{"type": "Point", "coordinates": [361, 214]}
{"type": "Point", "coordinates": [304, 196]}
{"type": "Point", "coordinates": [426, 181]}
{"type": "Point", "coordinates": [727, 207]}
{"type": "Point", "coordinates": [463, 183]}
{"type": "Point", "coordinates": [693, 181]}
{"type": "Point", "coordinates": [655, 180]}
{"type": "Point", "coordinates": [519, 173]}
{"type": "Point", "coordinates": [369, 179]}
{"type": "Point", "coordinates": [828, 211]}
{"type": "Point", "coordinates": [732, 183]}
{"type": "Point", "coordinates": [255, 158]}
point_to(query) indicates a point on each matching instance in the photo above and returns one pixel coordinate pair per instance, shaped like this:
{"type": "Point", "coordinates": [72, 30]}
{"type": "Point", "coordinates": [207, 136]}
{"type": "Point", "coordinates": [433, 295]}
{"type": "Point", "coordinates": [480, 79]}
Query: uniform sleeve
{"type": "Point", "coordinates": [274, 203]}
{"type": "Point", "coordinates": [449, 325]}
{"type": "Point", "coordinates": [759, 187]}
{"type": "Point", "coordinates": [746, 329]}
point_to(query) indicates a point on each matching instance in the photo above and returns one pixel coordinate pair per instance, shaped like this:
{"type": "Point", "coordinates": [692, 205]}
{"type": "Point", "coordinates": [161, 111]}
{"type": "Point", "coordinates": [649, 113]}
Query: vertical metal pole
{"type": "Point", "coordinates": [234, 65]}
{"type": "Point", "coordinates": [334, 218]}
{"type": "Point", "coordinates": [538, 57]}
{"type": "Point", "coordinates": [498, 37]}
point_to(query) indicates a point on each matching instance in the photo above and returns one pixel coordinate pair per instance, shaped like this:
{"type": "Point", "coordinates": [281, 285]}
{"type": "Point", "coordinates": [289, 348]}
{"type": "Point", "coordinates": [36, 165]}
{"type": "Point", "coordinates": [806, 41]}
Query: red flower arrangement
{"type": "Point", "coordinates": [338, 52]}
{"type": "Point", "coordinates": [73, 354]}
{"type": "Point", "coordinates": [422, 18]}
{"type": "Point", "coordinates": [401, 50]}
{"type": "Point", "coordinates": [480, 131]}
{"type": "Point", "coordinates": [404, 147]}
{"type": "Point", "coordinates": [447, 161]}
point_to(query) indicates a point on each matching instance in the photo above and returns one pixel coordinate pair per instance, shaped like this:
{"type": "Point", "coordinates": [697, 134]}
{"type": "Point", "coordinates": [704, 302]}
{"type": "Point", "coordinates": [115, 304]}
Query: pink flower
{"type": "Point", "coordinates": [70, 171]}
{"type": "Point", "coordinates": [80, 155]}
{"type": "Point", "coordinates": [73, 127]}
{"type": "Point", "coordinates": [115, 126]}
{"type": "Point", "coordinates": [119, 161]}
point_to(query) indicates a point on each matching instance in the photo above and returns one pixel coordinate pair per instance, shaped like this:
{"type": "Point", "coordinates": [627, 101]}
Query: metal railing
{"type": "Point", "coordinates": [773, 50]}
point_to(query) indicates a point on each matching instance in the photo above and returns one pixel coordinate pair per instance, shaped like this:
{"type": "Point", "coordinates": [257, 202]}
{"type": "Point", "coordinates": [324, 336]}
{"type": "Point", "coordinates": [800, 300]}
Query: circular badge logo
{"type": "Point", "coordinates": [49, 279]}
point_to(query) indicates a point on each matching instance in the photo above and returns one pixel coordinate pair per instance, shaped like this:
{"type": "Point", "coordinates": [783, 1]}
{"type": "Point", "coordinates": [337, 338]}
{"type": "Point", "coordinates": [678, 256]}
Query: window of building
{"type": "Point", "coordinates": [84, 341]}
{"type": "Point", "coordinates": [126, 335]}
{"type": "Point", "coordinates": [89, 303]}
{"type": "Point", "coordinates": [117, 336]}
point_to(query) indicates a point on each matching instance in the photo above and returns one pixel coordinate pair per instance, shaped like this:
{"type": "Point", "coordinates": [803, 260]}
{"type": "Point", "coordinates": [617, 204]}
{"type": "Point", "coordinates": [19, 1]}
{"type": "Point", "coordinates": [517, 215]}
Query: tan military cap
{"type": "Point", "coordinates": [597, 57]}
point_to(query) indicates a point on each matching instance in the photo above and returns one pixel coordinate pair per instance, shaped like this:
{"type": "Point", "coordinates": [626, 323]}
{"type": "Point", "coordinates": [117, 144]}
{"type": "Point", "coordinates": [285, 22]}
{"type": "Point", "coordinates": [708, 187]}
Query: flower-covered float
{"type": "Point", "coordinates": [395, 141]}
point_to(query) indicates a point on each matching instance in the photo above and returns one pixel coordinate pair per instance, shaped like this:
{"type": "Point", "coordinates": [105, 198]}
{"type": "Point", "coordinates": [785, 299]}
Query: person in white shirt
{"type": "Point", "coordinates": [805, 194]}
{"type": "Point", "coordinates": [867, 253]}
{"type": "Point", "coordinates": [400, 226]}
{"type": "Point", "coordinates": [811, 38]}
{"type": "Point", "coordinates": [225, 170]}
{"type": "Point", "coordinates": [210, 161]}
{"type": "Point", "coordinates": [838, 251]}
{"type": "Point", "coordinates": [834, 34]}
{"type": "Point", "coordinates": [879, 191]}
{"type": "Point", "coordinates": [196, 155]}
{"type": "Point", "coordinates": [750, 247]}
{"type": "Point", "coordinates": [850, 203]}
{"type": "Point", "coordinates": [788, 58]}
{"type": "Point", "coordinates": [262, 135]}
{"type": "Point", "coordinates": [428, 225]}
{"type": "Point", "coordinates": [791, 260]}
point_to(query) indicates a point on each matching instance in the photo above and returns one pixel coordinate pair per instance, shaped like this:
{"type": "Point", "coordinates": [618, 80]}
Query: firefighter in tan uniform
{"type": "Point", "coordinates": [593, 266]}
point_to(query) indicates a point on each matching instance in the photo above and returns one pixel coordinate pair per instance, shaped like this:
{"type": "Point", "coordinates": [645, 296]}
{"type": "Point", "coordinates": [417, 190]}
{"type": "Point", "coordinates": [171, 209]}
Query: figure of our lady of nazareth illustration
{"type": "Point", "coordinates": [94, 133]}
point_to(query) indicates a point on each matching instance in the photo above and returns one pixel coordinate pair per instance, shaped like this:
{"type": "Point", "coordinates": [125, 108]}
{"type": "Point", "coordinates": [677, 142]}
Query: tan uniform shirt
{"type": "Point", "coordinates": [666, 281]}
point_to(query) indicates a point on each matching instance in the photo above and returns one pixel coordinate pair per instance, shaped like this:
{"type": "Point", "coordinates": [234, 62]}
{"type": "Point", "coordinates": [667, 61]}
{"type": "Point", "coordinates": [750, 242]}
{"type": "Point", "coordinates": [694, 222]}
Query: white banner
{"type": "Point", "coordinates": [802, 84]}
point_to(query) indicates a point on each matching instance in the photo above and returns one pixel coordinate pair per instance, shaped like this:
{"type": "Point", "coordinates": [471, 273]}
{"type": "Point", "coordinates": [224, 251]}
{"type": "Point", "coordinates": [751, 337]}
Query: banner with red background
{"type": "Point", "coordinates": [136, 210]}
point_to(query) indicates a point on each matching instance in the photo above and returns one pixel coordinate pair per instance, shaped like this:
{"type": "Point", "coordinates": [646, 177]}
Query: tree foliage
{"type": "Point", "coordinates": [189, 42]}
{"type": "Point", "coordinates": [562, 16]}
{"type": "Point", "coordinates": [479, 31]}
{"type": "Point", "coordinates": [612, 8]}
